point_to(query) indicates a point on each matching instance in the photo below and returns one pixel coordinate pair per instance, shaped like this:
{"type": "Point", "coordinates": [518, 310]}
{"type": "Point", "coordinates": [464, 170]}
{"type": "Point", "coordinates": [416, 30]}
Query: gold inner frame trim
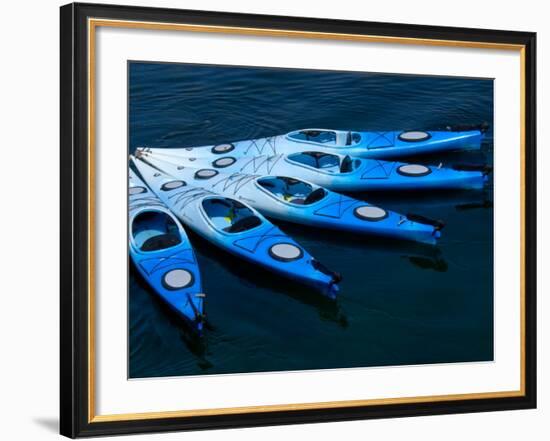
{"type": "Point", "coordinates": [92, 25]}
{"type": "Point", "coordinates": [300, 406]}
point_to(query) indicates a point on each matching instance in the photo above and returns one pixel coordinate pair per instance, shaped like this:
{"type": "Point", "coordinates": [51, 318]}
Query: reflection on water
{"type": "Point", "coordinates": [400, 303]}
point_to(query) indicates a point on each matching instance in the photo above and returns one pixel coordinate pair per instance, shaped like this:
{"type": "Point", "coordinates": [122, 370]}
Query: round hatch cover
{"type": "Point", "coordinates": [136, 190]}
{"type": "Point", "coordinates": [285, 252]}
{"type": "Point", "coordinates": [172, 185]}
{"type": "Point", "coordinates": [224, 162]}
{"type": "Point", "coordinates": [414, 136]}
{"type": "Point", "coordinates": [177, 279]}
{"type": "Point", "coordinates": [414, 170]}
{"type": "Point", "coordinates": [222, 148]}
{"type": "Point", "coordinates": [206, 173]}
{"type": "Point", "coordinates": [370, 213]}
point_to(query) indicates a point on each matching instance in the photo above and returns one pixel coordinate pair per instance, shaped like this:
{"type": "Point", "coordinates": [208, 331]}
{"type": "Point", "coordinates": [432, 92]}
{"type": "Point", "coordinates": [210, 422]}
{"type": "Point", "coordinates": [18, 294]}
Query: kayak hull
{"type": "Point", "coordinates": [180, 304]}
{"type": "Point", "coordinates": [372, 145]}
{"type": "Point", "coordinates": [376, 175]}
{"type": "Point", "coordinates": [172, 272]}
{"type": "Point", "coordinates": [332, 210]}
{"type": "Point", "coordinates": [387, 145]}
{"type": "Point", "coordinates": [367, 175]}
{"type": "Point", "coordinates": [263, 245]}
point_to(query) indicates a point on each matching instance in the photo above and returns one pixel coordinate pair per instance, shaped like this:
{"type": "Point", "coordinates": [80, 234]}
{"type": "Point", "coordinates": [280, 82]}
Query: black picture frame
{"type": "Point", "coordinates": [75, 414]}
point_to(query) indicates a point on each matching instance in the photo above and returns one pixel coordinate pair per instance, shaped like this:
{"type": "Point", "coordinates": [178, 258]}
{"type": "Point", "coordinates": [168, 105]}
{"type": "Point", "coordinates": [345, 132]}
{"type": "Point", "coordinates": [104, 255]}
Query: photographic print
{"type": "Point", "coordinates": [292, 219]}
{"type": "Point", "coordinates": [278, 220]}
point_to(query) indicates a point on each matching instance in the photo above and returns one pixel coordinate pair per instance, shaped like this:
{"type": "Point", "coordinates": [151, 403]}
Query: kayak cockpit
{"type": "Point", "coordinates": [326, 161]}
{"type": "Point", "coordinates": [230, 215]}
{"type": "Point", "coordinates": [291, 190]}
{"type": "Point", "coordinates": [332, 138]}
{"type": "Point", "coordinates": [155, 231]}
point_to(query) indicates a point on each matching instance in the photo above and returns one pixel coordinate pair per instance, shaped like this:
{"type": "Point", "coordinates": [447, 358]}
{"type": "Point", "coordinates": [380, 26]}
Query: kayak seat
{"type": "Point", "coordinates": [154, 230]}
{"type": "Point", "coordinates": [224, 213]}
{"type": "Point", "coordinates": [337, 138]}
{"type": "Point", "coordinates": [315, 196]}
{"type": "Point", "coordinates": [305, 158]}
{"type": "Point", "coordinates": [244, 224]}
{"type": "Point", "coordinates": [220, 202]}
{"type": "Point", "coordinates": [161, 242]}
{"type": "Point", "coordinates": [347, 165]}
{"type": "Point", "coordinates": [285, 188]}
{"type": "Point", "coordinates": [318, 160]}
{"type": "Point", "coordinates": [220, 222]}
{"type": "Point", "coordinates": [310, 133]}
{"type": "Point", "coordinates": [343, 138]}
{"type": "Point", "coordinates": [311, 198]}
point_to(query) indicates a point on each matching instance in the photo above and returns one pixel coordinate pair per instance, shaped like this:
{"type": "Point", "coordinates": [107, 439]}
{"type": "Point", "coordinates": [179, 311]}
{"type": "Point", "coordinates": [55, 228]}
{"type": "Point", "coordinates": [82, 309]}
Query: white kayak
{"type": "Point", "coordinates": [239, 229]}
{"type": "Point", "coordinates": [337, 172]}
{"type": "Point", "coordinates": [162, 253]}
{"type": "Point", "coordinates": [295, 200]}
{"type": "Point", "coordinates": [376, 145]}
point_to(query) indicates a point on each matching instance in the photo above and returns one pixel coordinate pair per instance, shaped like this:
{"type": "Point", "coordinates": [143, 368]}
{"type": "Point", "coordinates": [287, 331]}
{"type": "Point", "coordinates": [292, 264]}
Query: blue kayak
{"type": "Point", "coordinates": [163, 255]}
{"type": "Point", "coordinates": [375, 145]}
{"type": "Point", "coordinates": [239, 229]}
{"type": "Point", "coordinates": [295, 200]}
{"type": "Point", "coordinates": [339, 172]}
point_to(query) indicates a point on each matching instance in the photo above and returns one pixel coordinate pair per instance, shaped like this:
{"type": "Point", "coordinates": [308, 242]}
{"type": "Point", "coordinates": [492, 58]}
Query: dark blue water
{"type": "Point", "coordinates": [400, 303]}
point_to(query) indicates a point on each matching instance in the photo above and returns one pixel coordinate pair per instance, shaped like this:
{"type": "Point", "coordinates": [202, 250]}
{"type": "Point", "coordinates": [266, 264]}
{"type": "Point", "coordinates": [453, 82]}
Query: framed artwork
{"type": "Point", "coordinates": [272, 220]}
